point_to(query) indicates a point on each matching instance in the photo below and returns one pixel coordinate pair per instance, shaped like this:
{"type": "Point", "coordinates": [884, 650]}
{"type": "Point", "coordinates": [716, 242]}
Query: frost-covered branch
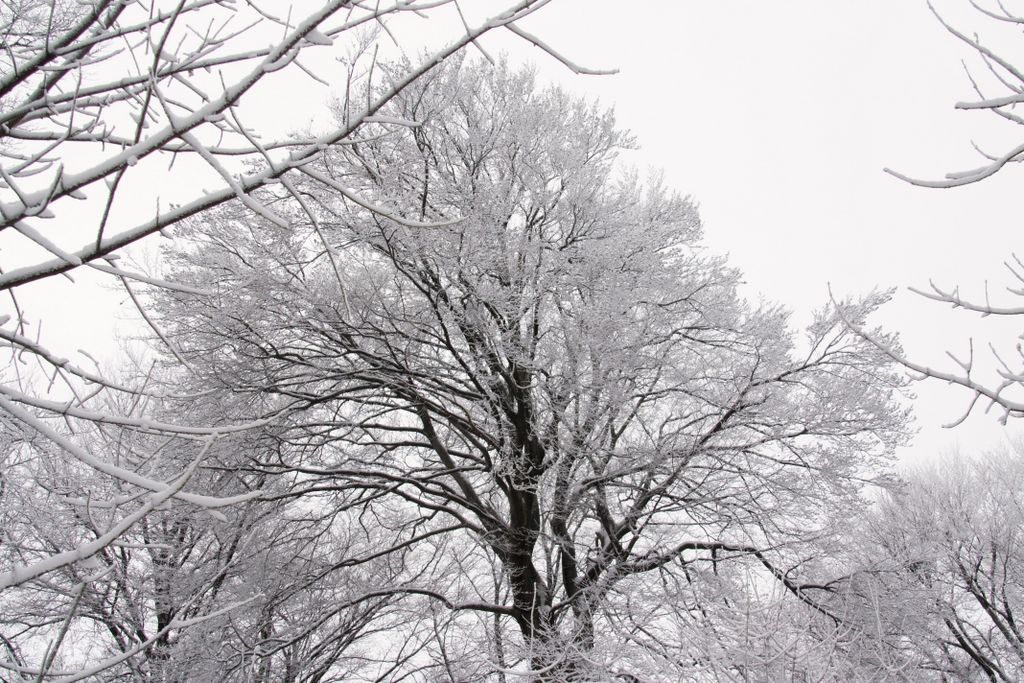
{"type": "Point", "coordinates": [1007, 75]}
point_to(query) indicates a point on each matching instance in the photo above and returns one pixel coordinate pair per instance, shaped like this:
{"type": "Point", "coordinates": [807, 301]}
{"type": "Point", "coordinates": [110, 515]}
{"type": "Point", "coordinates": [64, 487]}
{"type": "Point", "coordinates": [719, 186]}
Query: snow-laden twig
{"type": "Point", "coordinates": [209, 503]}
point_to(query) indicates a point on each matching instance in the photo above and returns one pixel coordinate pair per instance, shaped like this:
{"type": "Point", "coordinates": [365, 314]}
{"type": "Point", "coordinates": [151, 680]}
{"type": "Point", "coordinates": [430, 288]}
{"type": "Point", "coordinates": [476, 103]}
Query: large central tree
{"type": "Point", "coordinates": [516, 364]}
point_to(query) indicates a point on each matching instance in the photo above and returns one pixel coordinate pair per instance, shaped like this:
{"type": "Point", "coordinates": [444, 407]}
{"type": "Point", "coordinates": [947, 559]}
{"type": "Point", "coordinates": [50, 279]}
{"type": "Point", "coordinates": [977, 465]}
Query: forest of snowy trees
{"type": "Point", "coordinates": [441, 389]}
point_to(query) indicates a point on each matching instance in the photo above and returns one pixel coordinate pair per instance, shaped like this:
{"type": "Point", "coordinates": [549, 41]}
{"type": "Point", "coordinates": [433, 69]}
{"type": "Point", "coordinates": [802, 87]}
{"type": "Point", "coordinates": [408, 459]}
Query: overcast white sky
{"type": "Point", "coordinates": [778, 116]}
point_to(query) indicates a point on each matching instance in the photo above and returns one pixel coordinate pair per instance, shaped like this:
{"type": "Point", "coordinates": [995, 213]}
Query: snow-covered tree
{"type": "Point", "coordinates": [520, 356]}
{"type": "Point", "coordinates": [118, 120]}
{"type": "Point", "coordinates": [279, 588]}
{"type": "Point", "coordinates": [942, 557]}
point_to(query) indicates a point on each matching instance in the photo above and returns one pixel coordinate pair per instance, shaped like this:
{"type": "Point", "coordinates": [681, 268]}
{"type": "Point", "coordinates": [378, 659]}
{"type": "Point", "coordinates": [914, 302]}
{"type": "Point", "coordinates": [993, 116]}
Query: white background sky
{"type": "Point", "coordinates": [777, 116]}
